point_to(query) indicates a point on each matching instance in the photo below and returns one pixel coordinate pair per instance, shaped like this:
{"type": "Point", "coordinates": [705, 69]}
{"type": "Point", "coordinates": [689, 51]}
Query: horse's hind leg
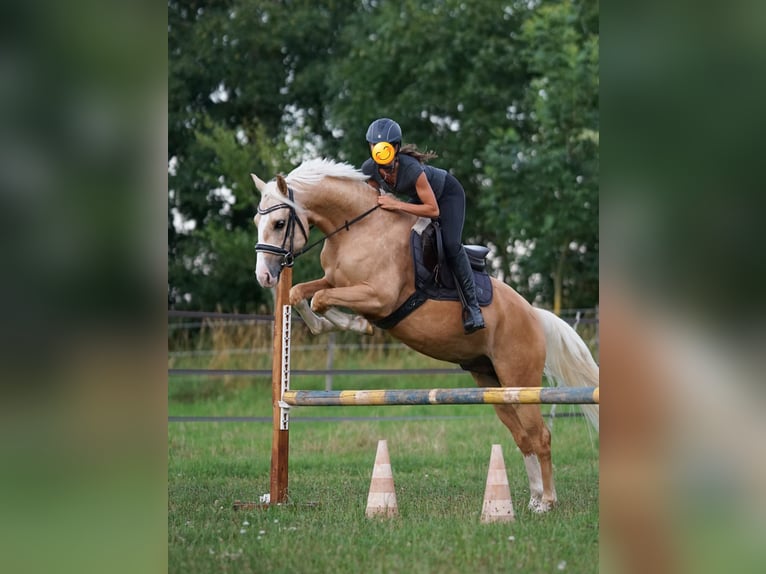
{"type": "Point", "coordinates": [534, 441]}
{"type": "Point", "coordinates": [537, 461]}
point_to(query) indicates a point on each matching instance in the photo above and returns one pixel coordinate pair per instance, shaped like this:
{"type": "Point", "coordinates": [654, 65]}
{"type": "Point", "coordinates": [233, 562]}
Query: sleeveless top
{"type": "Point", "coordinates": [408, 172]}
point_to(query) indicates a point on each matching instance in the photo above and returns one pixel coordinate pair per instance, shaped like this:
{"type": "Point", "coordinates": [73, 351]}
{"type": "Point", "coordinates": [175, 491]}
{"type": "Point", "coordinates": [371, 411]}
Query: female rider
{"type": "Point", "coordinates": [433, 193]}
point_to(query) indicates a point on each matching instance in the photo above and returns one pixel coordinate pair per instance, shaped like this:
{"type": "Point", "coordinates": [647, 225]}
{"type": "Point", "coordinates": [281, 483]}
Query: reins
{"type": "Point", "coordinates": [288, 255]}
{"type": "Point", "coordinates": [345, 226]}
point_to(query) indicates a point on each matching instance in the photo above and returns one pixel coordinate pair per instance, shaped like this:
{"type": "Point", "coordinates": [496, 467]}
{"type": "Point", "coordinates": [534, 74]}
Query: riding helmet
{"type": "Point", "coordinates": [384, 130]}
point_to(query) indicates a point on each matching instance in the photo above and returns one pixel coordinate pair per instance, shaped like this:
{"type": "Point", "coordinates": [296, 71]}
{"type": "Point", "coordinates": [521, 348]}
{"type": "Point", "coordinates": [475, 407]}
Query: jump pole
{"type": "Point", "coordinates": [280, 381]}
{"type": "Point", "coordinates": [468, 396]}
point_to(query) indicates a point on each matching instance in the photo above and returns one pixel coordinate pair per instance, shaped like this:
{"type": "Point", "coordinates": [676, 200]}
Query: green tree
{"type": "Point", "coordinates": [542, 188]}
{"type": "Point", "coordinates": [245, 95]}
{"type": "Point", "coordinates": [505, 93]}
{"type": "Point", "coordinates": [446, 70]}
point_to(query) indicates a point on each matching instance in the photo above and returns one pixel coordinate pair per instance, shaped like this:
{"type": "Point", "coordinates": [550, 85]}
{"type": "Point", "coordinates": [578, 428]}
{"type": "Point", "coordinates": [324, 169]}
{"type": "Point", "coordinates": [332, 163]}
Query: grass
{"type": "Point", "coordinates": [439, 466]}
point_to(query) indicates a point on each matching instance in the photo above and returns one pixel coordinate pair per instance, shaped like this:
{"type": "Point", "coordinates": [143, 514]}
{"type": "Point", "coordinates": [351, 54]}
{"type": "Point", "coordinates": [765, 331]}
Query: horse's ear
{"type": "Point", "coordinates": [259, 183]}
{"type": "Point", "coordinates": [282, 185]}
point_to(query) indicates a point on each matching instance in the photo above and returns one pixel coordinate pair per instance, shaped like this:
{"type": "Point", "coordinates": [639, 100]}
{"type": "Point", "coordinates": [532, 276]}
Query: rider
{"type": "Point", "coordinates": [433, 193]}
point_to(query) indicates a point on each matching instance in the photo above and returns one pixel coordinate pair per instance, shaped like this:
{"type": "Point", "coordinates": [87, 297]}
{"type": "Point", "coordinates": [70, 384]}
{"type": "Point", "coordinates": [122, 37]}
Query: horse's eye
{"type": "Point", "coordinates": [279, 224]}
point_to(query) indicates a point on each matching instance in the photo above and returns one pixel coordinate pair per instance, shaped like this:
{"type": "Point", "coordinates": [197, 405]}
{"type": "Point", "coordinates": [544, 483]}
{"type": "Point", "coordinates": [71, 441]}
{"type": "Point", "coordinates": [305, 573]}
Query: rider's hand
{"type": "Point", "coordinates": [388, 202]}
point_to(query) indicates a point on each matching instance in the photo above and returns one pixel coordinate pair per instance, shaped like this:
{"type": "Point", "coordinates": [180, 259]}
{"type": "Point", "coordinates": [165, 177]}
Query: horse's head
{"type": "Point", "coordinates": [277, 219]}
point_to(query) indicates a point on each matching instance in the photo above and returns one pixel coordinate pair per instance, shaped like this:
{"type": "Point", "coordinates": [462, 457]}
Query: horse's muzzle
{"type": "Point", "coordinates": [268, 269]}
{"type": "Point", "coordinates": [266, 278]}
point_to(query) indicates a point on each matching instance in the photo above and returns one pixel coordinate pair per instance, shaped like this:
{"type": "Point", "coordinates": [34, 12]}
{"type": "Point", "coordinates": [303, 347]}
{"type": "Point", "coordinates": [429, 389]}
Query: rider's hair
{"type": "Point", "coordinates": [421, 156]}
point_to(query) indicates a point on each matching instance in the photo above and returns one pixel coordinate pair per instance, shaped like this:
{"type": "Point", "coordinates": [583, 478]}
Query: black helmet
{"type": "Point", "coordinates": [384, 130]}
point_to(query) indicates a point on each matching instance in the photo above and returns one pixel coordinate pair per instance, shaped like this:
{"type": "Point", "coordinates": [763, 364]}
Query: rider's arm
{"type": "Point", "coordinates": [428, 207]}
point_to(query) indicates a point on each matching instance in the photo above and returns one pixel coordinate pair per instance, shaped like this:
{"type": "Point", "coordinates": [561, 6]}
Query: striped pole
{"type": "Point", "coordinates": [470, 396]}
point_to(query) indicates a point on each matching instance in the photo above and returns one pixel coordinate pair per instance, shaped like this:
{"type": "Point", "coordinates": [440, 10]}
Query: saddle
{"type": "Point", "coordinates": [433, 275]}
{"type": "Point", "coordinates": [433, 278]}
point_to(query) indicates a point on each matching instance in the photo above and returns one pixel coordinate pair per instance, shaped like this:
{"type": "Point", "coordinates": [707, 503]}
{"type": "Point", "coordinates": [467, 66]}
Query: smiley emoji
{"type": "Point", "coordinates": [383, 153]}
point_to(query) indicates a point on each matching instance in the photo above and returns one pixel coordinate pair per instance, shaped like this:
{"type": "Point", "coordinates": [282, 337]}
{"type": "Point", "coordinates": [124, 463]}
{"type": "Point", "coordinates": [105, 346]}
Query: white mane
{"type": "Point", "coordinates": [314, 170]}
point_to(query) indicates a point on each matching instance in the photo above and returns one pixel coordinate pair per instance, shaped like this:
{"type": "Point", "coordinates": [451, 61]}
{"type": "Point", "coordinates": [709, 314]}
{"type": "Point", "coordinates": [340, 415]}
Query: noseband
{"type": "Point", "coordinates": [288, 255]}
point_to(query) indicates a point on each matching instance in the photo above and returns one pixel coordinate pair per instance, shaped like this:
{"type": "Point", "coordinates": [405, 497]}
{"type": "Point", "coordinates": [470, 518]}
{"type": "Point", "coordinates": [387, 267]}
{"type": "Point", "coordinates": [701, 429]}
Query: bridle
{"type": "Point", "coordinates": [289, 255]}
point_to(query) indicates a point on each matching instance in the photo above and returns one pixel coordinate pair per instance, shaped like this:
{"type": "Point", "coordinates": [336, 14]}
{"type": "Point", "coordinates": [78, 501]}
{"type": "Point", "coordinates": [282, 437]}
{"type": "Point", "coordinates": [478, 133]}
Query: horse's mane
{"type": "Point", "coordinates": [314, 170]}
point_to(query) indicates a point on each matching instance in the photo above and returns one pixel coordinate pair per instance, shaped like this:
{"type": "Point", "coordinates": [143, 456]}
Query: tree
{"type": "Point", "coordinates": [444, 69]}
{"type": "Point", "coordinates": [506, 94]}
{"type": "Point", "coordinates": [543, 170]}
{"type": "Point", "coordinates": [245, 95]}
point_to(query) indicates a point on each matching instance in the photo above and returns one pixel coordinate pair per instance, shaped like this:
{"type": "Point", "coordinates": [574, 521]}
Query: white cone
{"type": "Point", "coordinates": [497, 505]}
{"type": "Point", "coordinates": [381, 501]}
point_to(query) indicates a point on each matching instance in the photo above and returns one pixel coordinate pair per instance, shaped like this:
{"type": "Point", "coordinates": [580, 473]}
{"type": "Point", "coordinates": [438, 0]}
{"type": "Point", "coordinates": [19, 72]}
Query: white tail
{"type": "Point", "coordinates": [568, 359]}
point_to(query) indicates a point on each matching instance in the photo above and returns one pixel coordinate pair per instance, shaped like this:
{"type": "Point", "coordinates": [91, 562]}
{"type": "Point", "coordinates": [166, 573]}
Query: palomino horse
{"type": "Point", "coordinates": [369, 269]}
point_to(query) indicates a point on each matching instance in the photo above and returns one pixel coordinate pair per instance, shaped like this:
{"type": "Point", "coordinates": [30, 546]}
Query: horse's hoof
{"type": "Point", "coordinates": [539, 506]}
{"type": "Point", "coordinates": [363, 326]}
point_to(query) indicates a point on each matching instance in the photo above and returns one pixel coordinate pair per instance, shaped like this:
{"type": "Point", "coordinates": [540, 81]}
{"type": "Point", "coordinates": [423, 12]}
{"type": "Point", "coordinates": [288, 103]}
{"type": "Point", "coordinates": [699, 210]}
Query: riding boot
{"type": "Point", "coordinates": [461, 269]}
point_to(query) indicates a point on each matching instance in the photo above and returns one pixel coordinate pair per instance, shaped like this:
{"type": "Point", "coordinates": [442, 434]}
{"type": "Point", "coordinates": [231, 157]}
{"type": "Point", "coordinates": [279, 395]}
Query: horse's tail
{"type": "Point", "coordinates": [568, 359]}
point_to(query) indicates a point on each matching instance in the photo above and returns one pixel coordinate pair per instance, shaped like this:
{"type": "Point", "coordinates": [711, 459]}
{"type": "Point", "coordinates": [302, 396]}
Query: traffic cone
{"type": "Point", "coordinates": [381, 501]}
{"type": "Point", "coordinates": [497, 505]}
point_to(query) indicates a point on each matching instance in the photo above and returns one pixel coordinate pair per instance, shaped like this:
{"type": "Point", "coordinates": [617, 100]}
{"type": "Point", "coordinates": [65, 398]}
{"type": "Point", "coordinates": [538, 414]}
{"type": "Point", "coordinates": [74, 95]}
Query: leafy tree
{"type": "Point", "coordinates": [259, 85]}
{"type": "Point", "coordinates": [444, 69]}
{"type": "Point", "coordinates": [507, 95]}
{"type": "Point", "coordinates": [245, 94]}
{"type": "Point", "coordinates": [543, 169]}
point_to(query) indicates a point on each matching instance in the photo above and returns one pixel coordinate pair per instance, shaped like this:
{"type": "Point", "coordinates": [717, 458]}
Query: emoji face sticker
{"type": "Point", "coordinates": [383, 153]}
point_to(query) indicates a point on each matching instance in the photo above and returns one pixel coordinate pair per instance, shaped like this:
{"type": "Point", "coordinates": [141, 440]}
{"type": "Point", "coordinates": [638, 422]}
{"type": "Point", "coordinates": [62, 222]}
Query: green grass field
{"type": "Point", "coordinates": [439, 460]}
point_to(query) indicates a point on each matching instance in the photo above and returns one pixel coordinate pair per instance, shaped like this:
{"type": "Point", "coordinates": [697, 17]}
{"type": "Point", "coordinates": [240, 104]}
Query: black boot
{"type": "Point", "coordinates": [466, 288]}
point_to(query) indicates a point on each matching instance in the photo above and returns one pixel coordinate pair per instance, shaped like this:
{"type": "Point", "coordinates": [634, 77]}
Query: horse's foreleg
{"type": "Point", "coordinates": [362, 298]}
{"type": "Point", "coordinates": [334, 320]}
{"type": "Point", "coordinates": [314, 322]}
{"type": "Point", "coordinates": [306, 290]}
{"type": "Point", "coordinates": [347, 322]}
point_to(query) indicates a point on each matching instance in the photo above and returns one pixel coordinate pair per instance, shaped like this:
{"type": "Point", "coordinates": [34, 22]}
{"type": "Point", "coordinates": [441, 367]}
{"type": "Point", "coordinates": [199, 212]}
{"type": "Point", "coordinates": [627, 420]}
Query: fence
{"type": "Point", "coordinates": [326, 350]}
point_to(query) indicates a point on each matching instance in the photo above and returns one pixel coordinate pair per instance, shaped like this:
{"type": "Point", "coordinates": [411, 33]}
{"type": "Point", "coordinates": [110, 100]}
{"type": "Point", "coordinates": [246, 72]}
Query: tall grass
{"type": "Point", "coordinates": [439, 462]}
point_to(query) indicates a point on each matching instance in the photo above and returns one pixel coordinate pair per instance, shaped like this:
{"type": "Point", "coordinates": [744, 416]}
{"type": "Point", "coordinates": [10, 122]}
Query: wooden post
{"type": "Point", "coordinates": [330, 353]}
{"type": "Point", "coordinates": [280, 446]}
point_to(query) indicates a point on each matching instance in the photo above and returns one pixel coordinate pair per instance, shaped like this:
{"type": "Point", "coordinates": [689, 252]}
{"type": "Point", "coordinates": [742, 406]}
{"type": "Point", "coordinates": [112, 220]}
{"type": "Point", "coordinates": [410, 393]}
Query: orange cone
{"type": "Point", "coordinates": [497, 505]}
{"type": "Point", "coordinates": [381, 500]}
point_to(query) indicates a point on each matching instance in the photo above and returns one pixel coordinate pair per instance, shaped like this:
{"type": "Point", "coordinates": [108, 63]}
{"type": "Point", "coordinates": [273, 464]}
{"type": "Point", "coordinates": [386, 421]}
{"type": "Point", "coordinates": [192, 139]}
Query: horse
{"type": "Point", "coordinates": [368, 269]}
